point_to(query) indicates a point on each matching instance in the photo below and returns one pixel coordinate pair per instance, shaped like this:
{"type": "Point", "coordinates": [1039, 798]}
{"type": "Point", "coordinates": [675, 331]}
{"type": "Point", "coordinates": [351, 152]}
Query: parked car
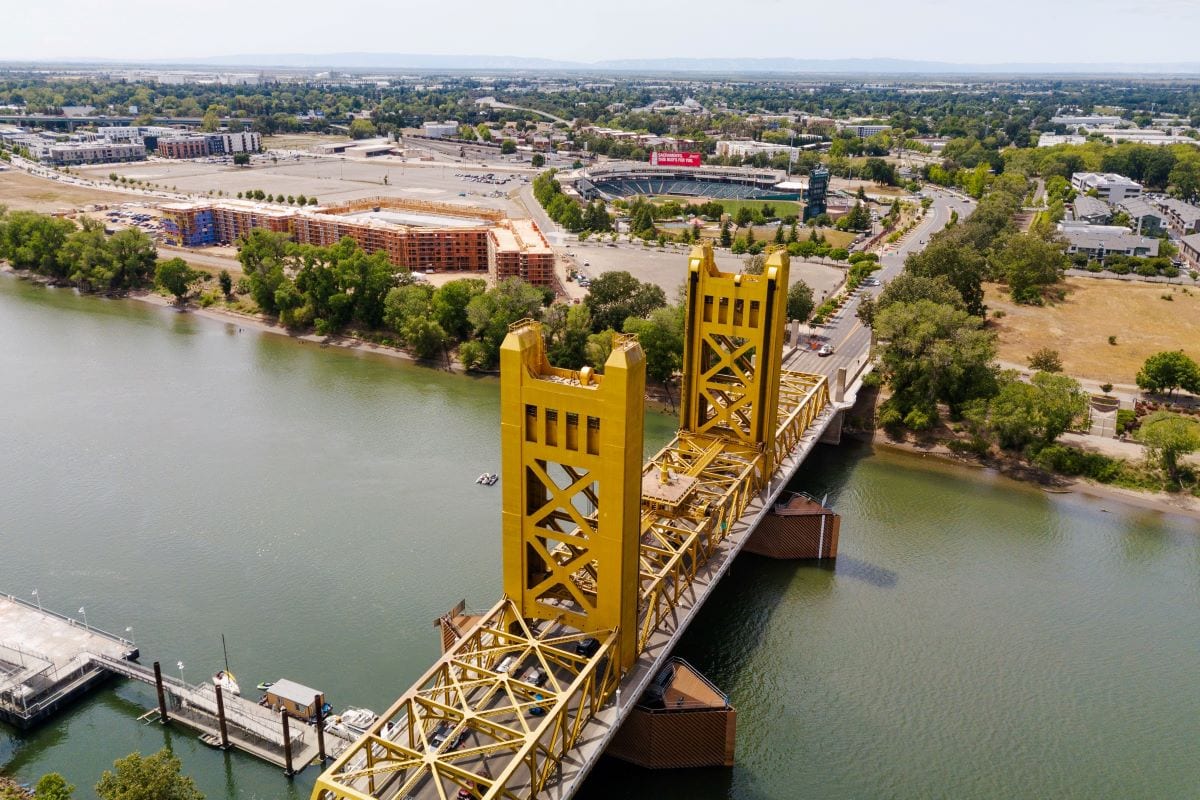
{"type": "Point", "coordinates": [826, 350]}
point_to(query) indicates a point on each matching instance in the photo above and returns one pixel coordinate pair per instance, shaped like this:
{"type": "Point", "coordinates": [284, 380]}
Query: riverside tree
{"type": "Point", "coordinates": [175, 276]}
{"type": "Point", "coordinates": [155, 777]}
{"type": "Point", "coordinates": [1168, 437]}
{"type": "Point", "coordinates": [932, 353]}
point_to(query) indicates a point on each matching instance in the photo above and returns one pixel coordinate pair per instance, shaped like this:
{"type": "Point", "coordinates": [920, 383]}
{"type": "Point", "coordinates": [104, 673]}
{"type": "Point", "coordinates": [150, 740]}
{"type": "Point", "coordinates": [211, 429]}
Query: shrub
{"type": "Point", "coordinates": [1112, 340]}
{"type": "Point", "coordinates": [890, 418]}
{"type": "Point", "coordinates": [999, 314]}
{"type": "Point", "coordinates": [1073, 461]}
{"type": "Point", "coordinates": [1106, 387]}
{"type": "Point", "coordinates": [976, 445]}
{"type": "Point", "coordinates": [1126, 419]}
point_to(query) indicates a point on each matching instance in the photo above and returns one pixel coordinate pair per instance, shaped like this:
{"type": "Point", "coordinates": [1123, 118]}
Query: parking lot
{"type": "Point", "coordinates": [330, 179]}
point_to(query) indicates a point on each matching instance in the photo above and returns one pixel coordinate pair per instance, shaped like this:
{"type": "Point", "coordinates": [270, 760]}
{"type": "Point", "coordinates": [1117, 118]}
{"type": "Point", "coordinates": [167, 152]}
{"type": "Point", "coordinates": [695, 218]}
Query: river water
{"type": "Point", "coordinates": [976, 639]}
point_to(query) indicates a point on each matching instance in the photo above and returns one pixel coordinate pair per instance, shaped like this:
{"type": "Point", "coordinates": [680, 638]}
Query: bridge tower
{"type": "Point", "coordinates": [571, 445]}
{"type": "Point", "coordinates": [733, 342]}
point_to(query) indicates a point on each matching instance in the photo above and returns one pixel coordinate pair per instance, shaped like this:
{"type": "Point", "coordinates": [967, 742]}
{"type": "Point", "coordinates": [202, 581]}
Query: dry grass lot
{"type": "Point", "coordinates": [1078, 328]}
{"type": "Point", "coordinates": [24, 192]}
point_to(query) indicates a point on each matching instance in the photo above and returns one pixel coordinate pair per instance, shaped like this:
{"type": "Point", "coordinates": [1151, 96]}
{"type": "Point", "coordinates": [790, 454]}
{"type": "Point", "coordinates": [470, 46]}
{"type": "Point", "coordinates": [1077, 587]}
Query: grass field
{"type": "Point", "coordinates": [782, 207]}
{"type": "Point", "coordinates": [24, 192]}
{"type": "Point", "coordinates": [1078, 328]}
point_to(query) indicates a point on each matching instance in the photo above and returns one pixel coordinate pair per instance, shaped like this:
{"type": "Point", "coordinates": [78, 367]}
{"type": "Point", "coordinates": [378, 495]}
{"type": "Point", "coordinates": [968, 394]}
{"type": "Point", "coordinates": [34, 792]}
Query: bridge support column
{"type": "Point", "coordinates": [833, 432]}
{"type": "Point", "coordinates": [838, 395]}
{"type": "Point", "coordinates": [287, 745]}
{"type": "Point", "coordinates": [319, 704]}
{"type": "Point", "coordinates": [162, 695]}
{"type": "Point", "coordinates": [221, 718]}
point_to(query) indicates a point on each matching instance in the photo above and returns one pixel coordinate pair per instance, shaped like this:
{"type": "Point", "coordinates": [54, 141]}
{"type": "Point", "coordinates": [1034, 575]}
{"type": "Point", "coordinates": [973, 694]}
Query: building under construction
{"type": "Point", "coordinates": [457, 238]}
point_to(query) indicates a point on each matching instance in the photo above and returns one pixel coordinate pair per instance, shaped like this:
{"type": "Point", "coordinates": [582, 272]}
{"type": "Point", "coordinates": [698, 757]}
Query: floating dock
{"type": "Point", "coordinates": [48, 660]}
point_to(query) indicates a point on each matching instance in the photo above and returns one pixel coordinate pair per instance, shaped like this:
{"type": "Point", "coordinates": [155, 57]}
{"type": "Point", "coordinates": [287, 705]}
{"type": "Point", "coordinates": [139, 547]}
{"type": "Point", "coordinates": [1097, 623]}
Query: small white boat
{"type": "Point", "coordinates": [351, 723]}
{"type": "Point", "coordinates": [227, 682]}
{"type": "Point", "coordinates": [483, 478]}
{"type": "Point", "coordinates": [491, 481]}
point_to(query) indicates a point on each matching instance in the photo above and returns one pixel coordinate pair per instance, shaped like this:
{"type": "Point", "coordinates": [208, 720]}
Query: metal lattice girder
{"type": "Point", "coordinates": [678, 540]}
{"type": "Point", "coordinates": [471, 720]}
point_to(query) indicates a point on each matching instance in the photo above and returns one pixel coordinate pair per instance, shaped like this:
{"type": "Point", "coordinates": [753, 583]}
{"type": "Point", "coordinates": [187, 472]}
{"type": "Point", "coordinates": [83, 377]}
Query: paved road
{"type": "Point", "coordinates": [850, 339]}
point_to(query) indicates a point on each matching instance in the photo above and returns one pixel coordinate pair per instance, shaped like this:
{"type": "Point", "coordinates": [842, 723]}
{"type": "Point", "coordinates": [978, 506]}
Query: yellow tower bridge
{"type": "Point", "coordinates": [605, 559]}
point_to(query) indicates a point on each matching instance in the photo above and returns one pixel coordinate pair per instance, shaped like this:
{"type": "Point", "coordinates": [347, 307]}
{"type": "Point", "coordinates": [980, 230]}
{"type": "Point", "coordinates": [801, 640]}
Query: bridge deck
{"type": "Point", "coordinates": [516, 709]}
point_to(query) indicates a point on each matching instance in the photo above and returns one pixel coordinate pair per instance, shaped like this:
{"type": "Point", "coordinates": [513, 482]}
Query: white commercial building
{"type": "Point", "coordinates": [440, 130]}
{"type": "Point", "coordinates": [1110, 187]}
{"type": "Point", "coordinates": [863, 131]}
{"type": "Point", "coordinates": [750, 148]}
{"type": "Point", "coordinates": [1086, 121]}
{"type": "Point", "coordinates": [242, 142]}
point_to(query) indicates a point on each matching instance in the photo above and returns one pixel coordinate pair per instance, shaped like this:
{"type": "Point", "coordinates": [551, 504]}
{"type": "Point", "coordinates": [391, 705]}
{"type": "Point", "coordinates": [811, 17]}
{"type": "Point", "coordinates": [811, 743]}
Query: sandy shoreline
{"type": "Point", "coordinates": [1180, 505]}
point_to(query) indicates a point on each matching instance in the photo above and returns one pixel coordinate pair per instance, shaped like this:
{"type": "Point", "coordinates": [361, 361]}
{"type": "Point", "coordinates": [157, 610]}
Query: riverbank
{"type": "Point", "coordinates": [1017, 469]}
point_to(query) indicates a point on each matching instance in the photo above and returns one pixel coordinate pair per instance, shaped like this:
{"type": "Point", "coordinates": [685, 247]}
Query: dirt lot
{"type": "Point", "coordinates": [24, 192]}
{"type": "Point", "coordinates": [1078, 328]}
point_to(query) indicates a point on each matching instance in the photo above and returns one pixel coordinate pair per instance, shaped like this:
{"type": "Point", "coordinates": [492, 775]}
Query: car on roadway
{"type": "Point", "coordinates": [826, 350]}
{"type": "Point", "coordinates": [871, 282]}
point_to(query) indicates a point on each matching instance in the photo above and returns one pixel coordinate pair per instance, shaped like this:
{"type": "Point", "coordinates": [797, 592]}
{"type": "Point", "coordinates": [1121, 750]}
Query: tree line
{"type": "Point", "coordinates": [81, 255]}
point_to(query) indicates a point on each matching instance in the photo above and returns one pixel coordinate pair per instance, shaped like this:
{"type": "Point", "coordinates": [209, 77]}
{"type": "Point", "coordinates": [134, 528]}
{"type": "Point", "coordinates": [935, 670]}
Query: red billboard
{"type": "Point", "coordinates": [675, 159]}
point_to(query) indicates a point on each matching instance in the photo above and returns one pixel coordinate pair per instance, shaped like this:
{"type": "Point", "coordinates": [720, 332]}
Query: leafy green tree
{"type": "Point", "coordinates": [449, 305]}
{"type": "Point", "coordinates": [661, 337]}
{"type": "Point", "coordinates": [800, 301]}
{"type": "Point", "coordinates": [599, 347]}
{"type": "Point", "coordinates": [1027, 264]}
{"type": "Point", "coordinates": [492, 312]}
{"type": "Point", "coordinates": [262, 255]}
{"type": "Point", "coordinates": [425, 337]}
{"type": "Point", "coordinates": [1037, 412]}
{"type": "Point", "coordinates": [134, 258]}
{"type": "Point", "coordinates": [35, 241]}
{"type": "Point", "coordinates": [537, 160]}
{"type": "Point", "coordinates": [406, 303]}
{"type": "Point", "coordinates": [483, 132]}
{"type": "Point", "coordinates": [156, 777]}
{"type": "Point", "coordinates": [951, 256]}
{"type": "Point", "coordinates": [176, 277]}
{"type": "Point", "coordinates": [567, 329]}
{"type": "Point", "coordinates": [1168, 371]}
{"type": "Point", "coordinates": [362, 129]}
{"type": "Point", "coordinates": [1044, 359]}
{"type": "Point", "coordinates": [1168, 437]}
{"type": "Point", "coordinates": [615, 296]}
{"type": "Point", "coordinates": [726, 235]}
{"type": "Point", "coordinates": [53, 786]}
{"type": "Point", "coordinates": [743, 216]}
{"type": "Point", "coordinates": [508, 147]}
{"type": "Point", "coordinates": [241, 160]}
{"type": "Point", "coordinates": [210, 122]}
{"type": "Point", "coordinates": [225, 281]}
{"type": "Point", "coordinates": [934, 353]}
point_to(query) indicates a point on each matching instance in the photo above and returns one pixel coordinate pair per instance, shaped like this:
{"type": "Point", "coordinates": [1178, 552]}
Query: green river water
{"type": "Point", "coordinates": [976, 639]}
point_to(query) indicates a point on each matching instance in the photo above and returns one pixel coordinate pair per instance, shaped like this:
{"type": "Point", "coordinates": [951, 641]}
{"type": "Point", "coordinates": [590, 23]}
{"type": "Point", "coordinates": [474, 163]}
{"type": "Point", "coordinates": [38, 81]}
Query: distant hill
{"type": "Point", "coordinates": [848, 66]}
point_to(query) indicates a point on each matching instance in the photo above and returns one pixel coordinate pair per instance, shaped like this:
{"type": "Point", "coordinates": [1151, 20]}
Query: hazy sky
{"type": "Point", "coordinates": [973, 31]}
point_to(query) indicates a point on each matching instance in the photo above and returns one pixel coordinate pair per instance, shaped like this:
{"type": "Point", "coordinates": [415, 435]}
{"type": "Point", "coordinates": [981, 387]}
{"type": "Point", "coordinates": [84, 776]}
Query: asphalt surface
{"type": "Point", "coordinates": [848, 337]}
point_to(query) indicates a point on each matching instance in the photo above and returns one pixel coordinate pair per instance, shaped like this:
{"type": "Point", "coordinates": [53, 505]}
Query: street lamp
{"type": "Point", "coordinates": [37, 599]}
{"type": "Point", "coordinates": [129, 630]}
{"type": "Point", "coordinates": [83, 611]}
{"type": "Point", "coordinates": [180, 665]}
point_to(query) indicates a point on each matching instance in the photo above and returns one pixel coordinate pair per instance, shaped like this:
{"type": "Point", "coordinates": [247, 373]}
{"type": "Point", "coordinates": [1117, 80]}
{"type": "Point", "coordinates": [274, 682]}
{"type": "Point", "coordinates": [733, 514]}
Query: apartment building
{"type": "Point", "coordinates": [498, 246]}
{"type": "Point", "coordinates": [1145, 218]}
{"type": "Point", "coordinates": [1090, 210]}
{"type": "Point", "coordinates": [1189, 248]}
{"type": "Point", "coordinates": [1184, 218]}
{"type": "Point", "coordinates": [100, 152]}
{"type": "Point", "coordinates": [517, 249]}
{"type": "Point", "coordinates": [1099, 241]}
{"type": "Point", "coordinates": [183, 147]}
